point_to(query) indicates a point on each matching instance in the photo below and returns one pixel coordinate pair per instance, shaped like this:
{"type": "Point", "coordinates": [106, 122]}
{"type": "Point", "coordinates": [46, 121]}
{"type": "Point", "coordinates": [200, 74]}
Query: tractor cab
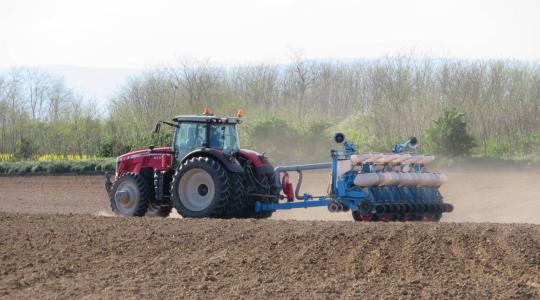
{"type": "Point", "coordinates": [203, 131]}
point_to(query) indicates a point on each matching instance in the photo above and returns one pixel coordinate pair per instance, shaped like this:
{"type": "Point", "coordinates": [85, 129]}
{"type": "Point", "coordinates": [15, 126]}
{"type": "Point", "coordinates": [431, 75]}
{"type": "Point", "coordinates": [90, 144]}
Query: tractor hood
{"type": "Point", "coordinates": [159, 159]}
{"type": "Point", "coordinates": [145, 152]}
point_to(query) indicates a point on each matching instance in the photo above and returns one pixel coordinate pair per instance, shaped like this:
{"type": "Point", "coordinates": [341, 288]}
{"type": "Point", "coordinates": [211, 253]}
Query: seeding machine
{"type": "Point", "coordinates": [206, 174]}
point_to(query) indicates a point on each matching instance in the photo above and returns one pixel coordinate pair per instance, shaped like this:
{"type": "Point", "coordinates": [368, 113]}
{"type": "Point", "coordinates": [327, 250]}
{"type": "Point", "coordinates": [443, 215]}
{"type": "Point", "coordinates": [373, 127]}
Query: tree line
{"type": "Point", "coordinates": [39, 114]}
{"type": "Point", "coordinates": [375, 102]}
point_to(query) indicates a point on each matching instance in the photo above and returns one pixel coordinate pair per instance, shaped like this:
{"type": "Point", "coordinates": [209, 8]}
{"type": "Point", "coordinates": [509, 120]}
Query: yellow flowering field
{"type": "Point", "coordinates": [5, 156]}
{"type": "Point", "coordinates": [43, 157]}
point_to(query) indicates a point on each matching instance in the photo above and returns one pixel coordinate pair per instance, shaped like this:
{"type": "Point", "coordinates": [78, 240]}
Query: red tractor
{"type": "Point", "coordinates": [203, 174]}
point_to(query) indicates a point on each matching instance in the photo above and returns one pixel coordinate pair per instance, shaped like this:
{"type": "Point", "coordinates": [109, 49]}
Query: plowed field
{"type": "Point", "coordinates": [58, 241]}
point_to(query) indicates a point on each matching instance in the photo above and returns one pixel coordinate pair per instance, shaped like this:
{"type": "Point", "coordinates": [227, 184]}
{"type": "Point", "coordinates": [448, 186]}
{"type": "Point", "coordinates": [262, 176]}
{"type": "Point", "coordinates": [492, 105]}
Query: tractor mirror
{"type": "Point", "coordinates": [157, 128]}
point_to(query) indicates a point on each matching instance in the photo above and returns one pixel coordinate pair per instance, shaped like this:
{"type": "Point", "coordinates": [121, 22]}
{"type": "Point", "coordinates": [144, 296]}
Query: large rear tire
{"type": "Point", "coordinates": [130, 195]}
{"type": "Point", "coordinates": [236, 206]}
{"type": "Point", "coordinates": [200, 188]}
{"type": "Point", "coordinates": [269, 189]}
{"type": "Point", "coordinates": [255, 187]}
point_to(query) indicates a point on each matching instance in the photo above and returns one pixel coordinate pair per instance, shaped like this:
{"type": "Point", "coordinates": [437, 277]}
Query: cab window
{"type": "Point", "coordinates": [224, 136]}
{"type": "Point", "coordinates": [189, 136]}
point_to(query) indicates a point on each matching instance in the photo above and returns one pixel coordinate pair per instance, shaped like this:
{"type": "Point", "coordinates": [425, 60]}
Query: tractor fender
{"type": "Point", "coordinates": [260, 162]}
{"type": "Point", "coordinates": [227, 161]}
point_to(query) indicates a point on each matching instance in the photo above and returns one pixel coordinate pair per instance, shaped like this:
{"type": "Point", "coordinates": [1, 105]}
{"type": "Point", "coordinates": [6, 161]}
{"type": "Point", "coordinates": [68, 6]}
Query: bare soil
{"type": "Point", "coordinates": [82, 256]}
{"type": "Point", "coordinates": [58, 243]}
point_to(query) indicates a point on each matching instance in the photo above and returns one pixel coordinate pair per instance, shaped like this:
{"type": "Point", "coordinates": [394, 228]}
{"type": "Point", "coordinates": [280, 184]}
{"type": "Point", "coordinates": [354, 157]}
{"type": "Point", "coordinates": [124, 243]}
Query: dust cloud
{"type": "Point", "coordinates": [498, 195]}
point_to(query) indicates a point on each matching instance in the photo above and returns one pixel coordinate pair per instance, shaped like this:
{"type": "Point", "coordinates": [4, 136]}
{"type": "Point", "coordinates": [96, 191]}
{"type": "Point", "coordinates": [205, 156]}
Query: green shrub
{"type": "Point", "coordinates": [105, 149]}
{"type": "Point", "coordinates": [493, 148]}
{"type": "Point", "coordinates": [90, 166]}
{"type": "Point", "coordinates": [164, 138]}
{"type": "Point", "coordinates": [23, 149]}
{"type": "Point", "coordinates": [37, 168]}
{"type": "Point", "coordinates": [18, 168]}
{"type": "Point", "coordinates": [358, 130]}
{"type": "Point", "coordinates": [57, 167]}
{"type": "Point", "coordinates": [448, 135]}
{"type": "Point", "coordinates": [108, 148]}
{"type": "Point", "coordinates": [108, 165]}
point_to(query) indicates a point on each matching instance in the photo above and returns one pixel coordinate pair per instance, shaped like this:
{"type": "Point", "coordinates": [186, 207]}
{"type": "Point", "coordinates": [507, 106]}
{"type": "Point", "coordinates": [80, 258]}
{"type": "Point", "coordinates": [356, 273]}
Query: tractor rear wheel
{"type": "Point", "coordinates": [130, 195]}
{"type": "Point", "coordinates": [257, 187]}
{"type": "Point", "coordinates": [235, 206]}
{"type": "Point", "coordinates": [201, 188]}
{"type": "Point", "coordinates": [270, 189]}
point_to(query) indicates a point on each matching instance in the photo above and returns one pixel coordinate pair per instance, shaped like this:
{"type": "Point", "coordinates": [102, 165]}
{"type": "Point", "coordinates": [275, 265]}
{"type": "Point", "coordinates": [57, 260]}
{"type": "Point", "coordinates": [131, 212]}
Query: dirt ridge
{"type": "Point", "coordinates": [83, 256]}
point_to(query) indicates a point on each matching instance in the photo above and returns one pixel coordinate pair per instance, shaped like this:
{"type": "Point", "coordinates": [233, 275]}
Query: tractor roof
{"type": "Point", "coordinates": [207, 119]}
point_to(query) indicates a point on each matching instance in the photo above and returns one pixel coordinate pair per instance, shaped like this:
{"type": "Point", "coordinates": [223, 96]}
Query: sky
{"type": "Point", "coordinates": [143, 34]}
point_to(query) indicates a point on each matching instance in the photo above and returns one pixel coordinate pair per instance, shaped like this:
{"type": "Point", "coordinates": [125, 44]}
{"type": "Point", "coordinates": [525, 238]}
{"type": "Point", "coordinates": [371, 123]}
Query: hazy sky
{"type": "Point", "coordinates": [138, 34]}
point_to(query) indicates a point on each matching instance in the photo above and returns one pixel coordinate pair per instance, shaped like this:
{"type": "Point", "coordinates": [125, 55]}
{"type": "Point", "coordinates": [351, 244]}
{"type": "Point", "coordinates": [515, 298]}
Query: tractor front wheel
{"type": "Point", "coordinates": [130, 195]}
